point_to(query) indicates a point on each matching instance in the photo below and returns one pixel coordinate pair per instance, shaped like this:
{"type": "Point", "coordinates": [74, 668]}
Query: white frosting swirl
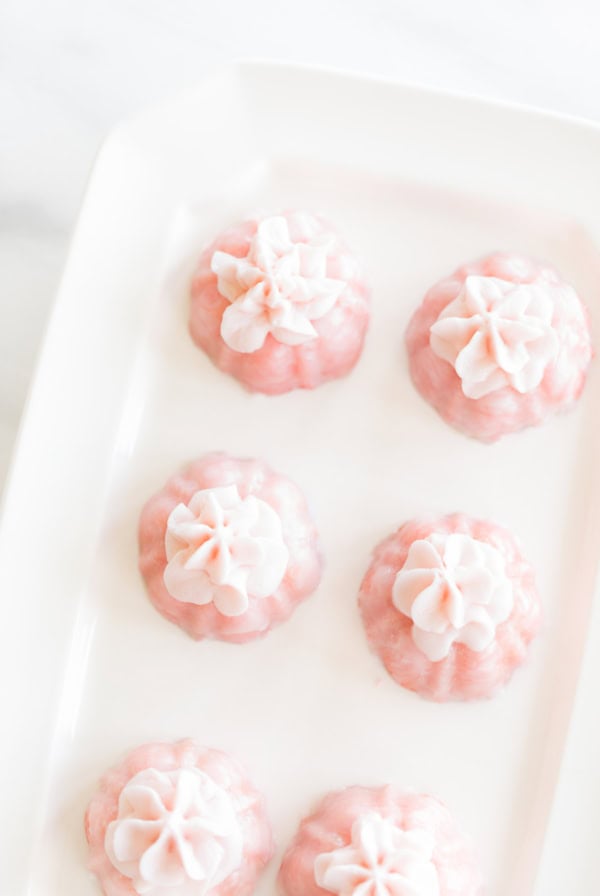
{"type": "Point", "coordinates": [279, 287]}
{"type": "Point", "coordinates": [225, 549]}
{"type": "Point", "coordinates": [176, 833]}
{"type": "Point", "coordinates": [381, 860]}
{"type": "Point", "coordinates": [454, 588]}
{"type": "Point", "coordinates": [496, 333]}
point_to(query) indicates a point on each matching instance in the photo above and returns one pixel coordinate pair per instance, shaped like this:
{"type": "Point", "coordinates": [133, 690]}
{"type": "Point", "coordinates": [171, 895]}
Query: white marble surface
{"type": "Point", "coordinates": [71, 68]}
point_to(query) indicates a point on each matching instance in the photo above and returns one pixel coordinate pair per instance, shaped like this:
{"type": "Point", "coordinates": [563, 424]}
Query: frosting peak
{"type": "Point", "coordinates": [497, 333]}
{"type": "Point", "coordinates": [454, 588]}
{"type": "Point", "coordinates": [176, 833]}
{"type": "Point", "coordinates": [381, 860]}
{"type": "Point", "coordinates": [279, 287]}
{"type": "Point", "coordinates": [225, 549]}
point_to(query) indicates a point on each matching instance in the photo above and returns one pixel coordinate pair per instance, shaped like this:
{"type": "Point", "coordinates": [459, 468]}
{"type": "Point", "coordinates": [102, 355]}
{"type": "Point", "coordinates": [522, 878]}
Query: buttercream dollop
{"type": "Point", "coordinates": [454, 588]}
{"type": "Point", "coordinates": [381, 860]}
{"type": "Point", "coordinates": [224, 549]}
{"type": "Point", "coordinates": [176, 833]}
{"type": "Point", "coordinates": [497, 333]}
{"type": "Point", "coordinates": [279, 287]}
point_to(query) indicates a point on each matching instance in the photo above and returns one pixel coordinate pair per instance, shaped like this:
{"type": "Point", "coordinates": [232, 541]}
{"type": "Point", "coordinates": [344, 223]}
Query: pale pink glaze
{"type": "Point", "coordinates": [252, 477]}
{"type": "Point", "coordinates": [277, 368]}
{"type": "Point", "coordinates": [329, 828]}
{"type": "Point", "coordinates": [464, 674]}
{"type": "Point", "coordinates": [505, 410]}
{"type": "Point", "coordinates": [225, 771]}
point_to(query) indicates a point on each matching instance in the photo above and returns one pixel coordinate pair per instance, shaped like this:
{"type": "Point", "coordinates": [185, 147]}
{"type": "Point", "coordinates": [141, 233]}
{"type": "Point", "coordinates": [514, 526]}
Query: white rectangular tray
{"type": "Point", "coordinates": [418, 182]}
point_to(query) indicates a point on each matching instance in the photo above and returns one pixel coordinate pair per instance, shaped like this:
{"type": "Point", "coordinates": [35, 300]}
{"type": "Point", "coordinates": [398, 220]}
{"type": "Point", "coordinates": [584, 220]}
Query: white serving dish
{"type": "Point", "coordinates": [418, 181]}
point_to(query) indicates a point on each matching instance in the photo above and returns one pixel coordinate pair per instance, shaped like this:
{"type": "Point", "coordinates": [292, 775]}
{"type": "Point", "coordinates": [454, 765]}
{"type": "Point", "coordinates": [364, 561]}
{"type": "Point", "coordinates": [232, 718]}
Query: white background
{"type": "Point", "coordinates": [69, 69]}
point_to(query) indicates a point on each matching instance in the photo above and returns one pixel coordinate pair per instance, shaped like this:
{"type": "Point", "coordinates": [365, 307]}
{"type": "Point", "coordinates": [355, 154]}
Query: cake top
{"type": "Point", "coordinates": [280, 286]}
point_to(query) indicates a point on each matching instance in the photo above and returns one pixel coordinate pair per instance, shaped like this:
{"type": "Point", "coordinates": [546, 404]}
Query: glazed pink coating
{"type": "Point", "coordinates": [329, 828]}
{"type": "Point", "coordinates": [464, 674]}
{"type": "Point", "coordinates": [225, 771]}
{"type": "Point", "coordinates": [252, 477]}
{"type": "Point", "coordinates": [276, 368]}
{"type": "Point", "coordinates": [504, 410]}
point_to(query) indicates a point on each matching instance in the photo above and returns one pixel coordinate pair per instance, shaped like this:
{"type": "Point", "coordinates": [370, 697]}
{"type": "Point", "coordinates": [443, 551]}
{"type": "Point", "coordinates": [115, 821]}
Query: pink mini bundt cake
{"type": "Point", "coordinates": [499, 345]}
{"type": "Point", "coordinates": [379, 841]}
{"type": "Point", "coordinates": [228, 548]}
{"type": "Point", "coordinates": [177, 820]}
{"type": "Point", "coordinates": [279, 303]}
{"type": "Point", "coordinates": [450, 605]}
